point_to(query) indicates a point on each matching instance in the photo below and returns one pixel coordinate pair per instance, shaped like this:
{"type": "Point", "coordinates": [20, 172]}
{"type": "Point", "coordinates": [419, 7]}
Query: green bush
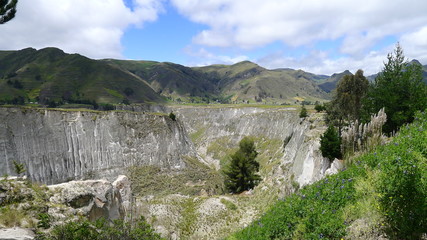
{"type": "Point", "coordinates": [172, 116]}
{"type": "Point", "coordinates": [303, 113]}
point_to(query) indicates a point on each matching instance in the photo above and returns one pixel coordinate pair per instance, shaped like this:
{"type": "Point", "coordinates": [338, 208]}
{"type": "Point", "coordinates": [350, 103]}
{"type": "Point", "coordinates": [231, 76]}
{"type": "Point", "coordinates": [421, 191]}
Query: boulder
{"type": "Point", "coordinates": [92, 198]}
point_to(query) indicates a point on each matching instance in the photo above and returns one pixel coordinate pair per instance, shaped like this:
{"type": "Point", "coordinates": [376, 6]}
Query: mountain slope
{"type": "Point", "coordinates": [249, 82]}
{"type": "Point", "coordinates": [169, 79]}
{"type": "Point", "coordinates": [51, 75]}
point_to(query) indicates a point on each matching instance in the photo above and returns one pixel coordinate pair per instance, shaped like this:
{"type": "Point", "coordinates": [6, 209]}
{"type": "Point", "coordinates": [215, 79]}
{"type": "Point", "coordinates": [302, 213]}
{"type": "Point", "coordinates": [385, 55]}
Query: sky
{"type": "Point", "coordinates": [318, 36]}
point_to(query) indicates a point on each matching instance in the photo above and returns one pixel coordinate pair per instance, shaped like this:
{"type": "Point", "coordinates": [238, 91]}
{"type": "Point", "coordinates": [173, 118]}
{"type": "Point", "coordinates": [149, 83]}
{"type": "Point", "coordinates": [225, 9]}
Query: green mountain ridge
{"type": "Point", "coordinates": [50, 75]}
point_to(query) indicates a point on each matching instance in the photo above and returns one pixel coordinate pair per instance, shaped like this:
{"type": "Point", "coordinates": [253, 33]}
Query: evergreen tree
{"type": "Point", "coordinates": [7, 10]}
{"type": "Point", "coordinates": [241, 173]}
{"type": "Point", "coordinates": [400, 89]}
{"type": "Point", "coordinates": [330, 144]}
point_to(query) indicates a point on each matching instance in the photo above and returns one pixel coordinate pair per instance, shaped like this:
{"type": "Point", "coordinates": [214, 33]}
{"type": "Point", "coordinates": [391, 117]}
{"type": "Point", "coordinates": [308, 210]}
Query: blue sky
{"type": "Point", "coordinates": [322, 37]}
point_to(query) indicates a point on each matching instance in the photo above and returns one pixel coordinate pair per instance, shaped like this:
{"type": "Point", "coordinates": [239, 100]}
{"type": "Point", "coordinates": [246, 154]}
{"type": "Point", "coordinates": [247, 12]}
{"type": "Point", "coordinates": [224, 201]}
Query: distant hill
{"type": "Point", "coordinates": [330, 83]}
{"type": "Point", "coordinates": [50, 75]}
{"type": "Point", "coordinates": [246, 81]}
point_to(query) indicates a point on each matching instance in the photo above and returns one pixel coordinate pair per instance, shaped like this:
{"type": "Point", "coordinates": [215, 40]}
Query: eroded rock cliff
{"type": "Point", "coordinates": [59, 146]}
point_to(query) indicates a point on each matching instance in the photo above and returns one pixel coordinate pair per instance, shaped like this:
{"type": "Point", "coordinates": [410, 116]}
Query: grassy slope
{"type": "Point", "coordinates": [50, 73]}
{"type": "Point", "coordinates": [246, 80]}
{"type": "Point", "coordinates": [170, 79]}
{"type": "Point", "coordinates": [360, 202]}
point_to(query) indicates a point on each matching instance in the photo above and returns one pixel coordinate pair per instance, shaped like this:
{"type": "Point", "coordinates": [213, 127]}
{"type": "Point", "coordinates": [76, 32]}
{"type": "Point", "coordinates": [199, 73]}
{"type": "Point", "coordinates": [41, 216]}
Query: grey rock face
{"type": "Point", "coordinates": [59, 146]}
{"type": "Point", "coordinates": [16, 233]}
{"type": "Point", "coordinates": [300, 141]}
{"type": "Point", "coordinates": [92, 198]}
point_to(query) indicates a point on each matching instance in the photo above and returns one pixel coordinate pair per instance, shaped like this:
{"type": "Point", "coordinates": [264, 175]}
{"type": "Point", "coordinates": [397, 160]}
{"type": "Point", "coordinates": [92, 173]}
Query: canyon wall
{"type": "Point", "coordinates": [58, 146]}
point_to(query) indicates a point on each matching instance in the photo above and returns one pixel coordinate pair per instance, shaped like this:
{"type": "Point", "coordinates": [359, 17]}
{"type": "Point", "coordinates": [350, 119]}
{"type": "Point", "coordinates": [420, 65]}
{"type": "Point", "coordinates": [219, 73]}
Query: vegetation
{"type": "Point", "coordinates": [172, 116]}
{"type": "Point", "coordinates": [383, 193]}
{"type": "Point", "coordinates": [346, 103]}
{"type": "Point", "coordinates": [101, 230]}
{"type": "Point", "coordinates": [7, 10]}
{"type": "Point", "coordinates": [319, 107]}
{"type": "Point", "coordinates": [303, 113]}
{"type": "Point", "coordinates": [400, 89]}
{"type": "Point", "coordinates": [241, 173]}
{"type": "Point", "coordinates": [330, 144]}
{"type": "Point", "coordinates": [19, 167]}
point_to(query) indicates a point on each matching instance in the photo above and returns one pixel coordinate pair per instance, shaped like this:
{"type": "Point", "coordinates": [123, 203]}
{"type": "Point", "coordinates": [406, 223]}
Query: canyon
{"type": "Point", "coordinates": [58, 146]}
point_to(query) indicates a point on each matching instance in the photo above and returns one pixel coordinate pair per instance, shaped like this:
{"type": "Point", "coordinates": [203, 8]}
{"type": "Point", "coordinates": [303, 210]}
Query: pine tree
{"type": "Point", "coordinates": [330, 144]}
{"type": "Point", "coordinates": [241, 173]}
{"type": "Point", "coordinates": [7, 10]}
{"type": "Point", "coordinates": [400, 89]}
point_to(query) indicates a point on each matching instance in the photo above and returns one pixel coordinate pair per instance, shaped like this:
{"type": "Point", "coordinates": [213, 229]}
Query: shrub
{"type": "Point", "coordinates": [172, 116]}
{"type": "Point", "coordinates": [319, 108]}
{"type": "Point", "coordinates": [303, 113]}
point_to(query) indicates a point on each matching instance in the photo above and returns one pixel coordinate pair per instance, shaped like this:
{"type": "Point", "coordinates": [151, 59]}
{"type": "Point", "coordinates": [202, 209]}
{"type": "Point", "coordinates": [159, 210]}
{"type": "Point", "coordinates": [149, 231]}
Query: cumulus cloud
{"type": "Point", "coordinates": [253, 23]}
{"type": "Point", "coordinates": [358, 26]}
{"type": "Point", "coordinates": [319, 62]}
{"type": "Point", "coordinates": [203, 57]}
{"type": "Point", "coordinates": [93, 28]}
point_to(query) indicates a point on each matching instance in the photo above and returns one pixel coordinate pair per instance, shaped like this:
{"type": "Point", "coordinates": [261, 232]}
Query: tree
{"type": "Point", "coordinates": [19, 167]}
{"type": "Point", "coordinates": [7, 10]}
{"type": "Point", "coordinates": [400, 89]}
{"type": "Point", "coordinates": [241, 173]}
{"type": "Point", "coordinates": [330, 144]}
{"type": "Point", "coordinates": [319, 107]}
{"type": "Point", "coordinates": [172, 116]}
{"type": "Point", "coordinates": [303, 113]}
{"type": "Point", "coordinates": [346, 104]}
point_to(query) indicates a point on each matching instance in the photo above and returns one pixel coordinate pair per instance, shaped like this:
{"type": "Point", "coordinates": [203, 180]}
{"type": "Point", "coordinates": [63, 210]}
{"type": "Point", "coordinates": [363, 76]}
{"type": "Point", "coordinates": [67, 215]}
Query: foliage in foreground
{"type": "Point", "coordinates": [387, 189]}
{"type": "Point", "coordinates": [102, 230]}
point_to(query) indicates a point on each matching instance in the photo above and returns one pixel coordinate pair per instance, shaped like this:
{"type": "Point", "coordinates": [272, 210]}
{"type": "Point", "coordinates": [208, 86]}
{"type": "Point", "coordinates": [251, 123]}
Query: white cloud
{"type": "Point", "coordinates": [414, 45]}
{"type": "Point", "coordinates": [93, 28]}
{"type": "Point", "coordinates": [358, 26]}
{"type": "Point", "coordinates": [202, 57]}
{"type": "Point", "coordinates": [248, 24]}
{"type": "Point", "coordinates": [319, 62]}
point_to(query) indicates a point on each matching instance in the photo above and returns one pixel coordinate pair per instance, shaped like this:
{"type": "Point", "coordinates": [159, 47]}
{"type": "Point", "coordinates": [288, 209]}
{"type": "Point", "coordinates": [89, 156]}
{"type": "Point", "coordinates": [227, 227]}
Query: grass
{"type": "Point", "coordinates": [363, 201]}
{"type": "Point", "coordinates": [152, 180]}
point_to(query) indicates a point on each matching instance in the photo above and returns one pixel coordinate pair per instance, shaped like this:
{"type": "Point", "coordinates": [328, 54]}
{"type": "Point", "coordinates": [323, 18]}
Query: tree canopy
{"type": "Point", "coordinates": [241, 173]}
{"type": "Point", "coordinates": [7, 10]}
{"type": "Point", "coordinates": [400, 89]}
{"type": "Point", "coordinates": [346, 104]}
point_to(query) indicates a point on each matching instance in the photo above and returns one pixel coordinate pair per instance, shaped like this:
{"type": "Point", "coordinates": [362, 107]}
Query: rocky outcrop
{"type": "Point", "coordinates": [58, 146]}
{"type": "Point", "coordinates": [91, 198]}
{"type": "Point", "coordinates": [16, 233]}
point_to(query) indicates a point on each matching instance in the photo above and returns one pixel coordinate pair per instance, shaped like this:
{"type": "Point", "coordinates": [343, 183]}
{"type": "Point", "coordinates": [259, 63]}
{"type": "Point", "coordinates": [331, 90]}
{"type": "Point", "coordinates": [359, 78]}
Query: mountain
{"type": "Point", "coordinates": [240, 82]}
{"type": "Point", "coordinates": [50, 75]}
{"type": "Point", "coordinates": [169, 79]}
{"type": "Point", "coordinates": [249, 82]}
{"type": "Point", "coordinates": [330, 83]}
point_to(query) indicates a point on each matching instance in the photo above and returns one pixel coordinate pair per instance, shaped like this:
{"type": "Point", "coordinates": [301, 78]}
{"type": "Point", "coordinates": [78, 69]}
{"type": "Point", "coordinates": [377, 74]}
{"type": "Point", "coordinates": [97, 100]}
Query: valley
{"type": "Point", "coordinates": [174, 166]}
